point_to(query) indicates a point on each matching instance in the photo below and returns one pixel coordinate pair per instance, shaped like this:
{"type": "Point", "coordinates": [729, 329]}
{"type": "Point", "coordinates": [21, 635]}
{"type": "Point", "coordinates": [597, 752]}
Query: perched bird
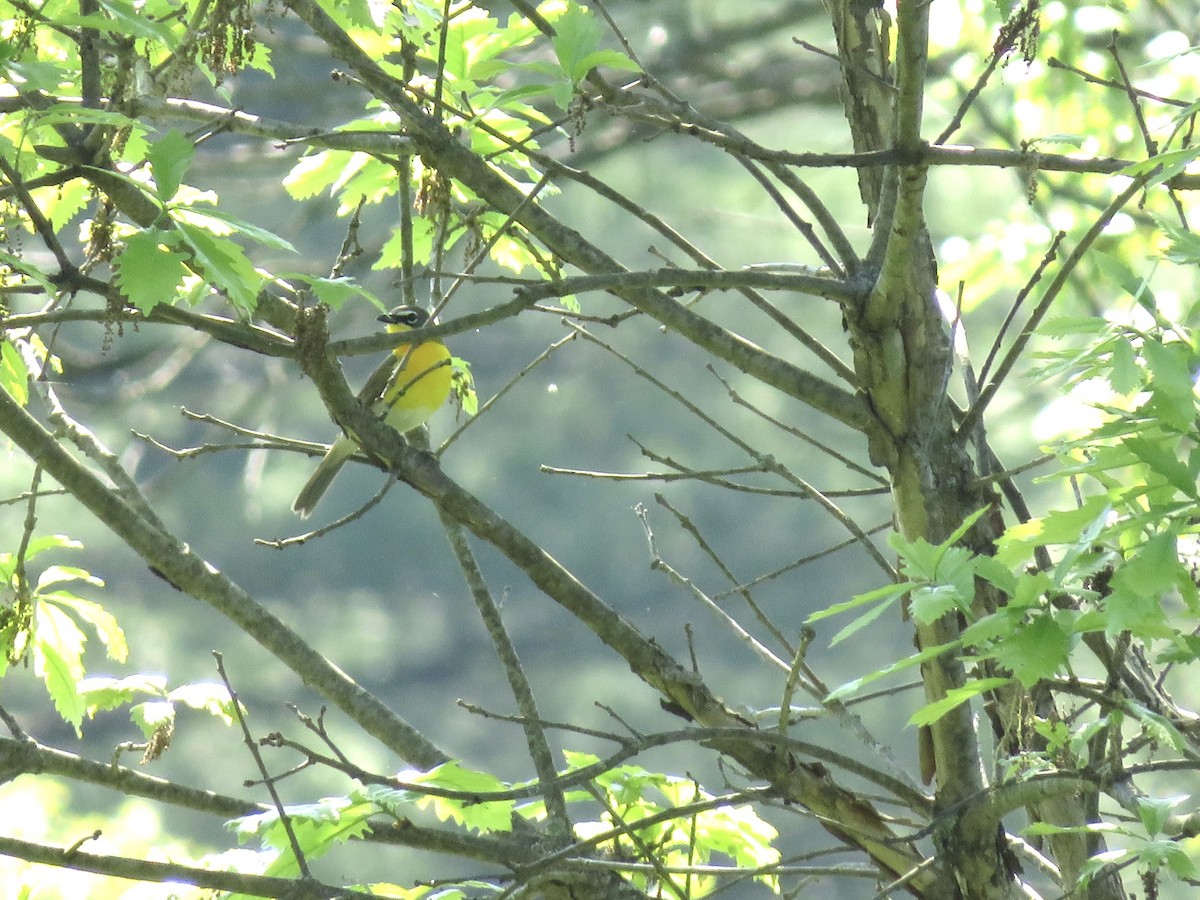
{"type": "Point", "coordinates": [404, 391]}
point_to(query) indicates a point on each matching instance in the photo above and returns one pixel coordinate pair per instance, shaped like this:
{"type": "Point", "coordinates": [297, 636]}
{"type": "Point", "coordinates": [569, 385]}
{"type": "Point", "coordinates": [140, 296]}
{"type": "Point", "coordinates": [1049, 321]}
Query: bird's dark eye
{"type": "Point", "coordinates": [405, 315]}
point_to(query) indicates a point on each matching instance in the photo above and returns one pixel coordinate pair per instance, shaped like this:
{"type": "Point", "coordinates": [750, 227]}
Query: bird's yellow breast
{"type": "Point", "coordinates": [419, 386]}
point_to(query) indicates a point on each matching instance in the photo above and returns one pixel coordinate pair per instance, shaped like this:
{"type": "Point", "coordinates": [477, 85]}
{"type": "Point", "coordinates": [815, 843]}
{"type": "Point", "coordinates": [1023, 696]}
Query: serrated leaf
{"type": "Point", "coordinates": [105, 623]}
{"type": "Point", "coordinates": [1164, 462]}
{"type": "Point", "coordinates": [1137, 586]}
{"type": "Point", "coordinates": [58, 661]}
{"type": "Point", "coordinates": [122, 19]}
{"type": "Point", "coordinates": [859, 623]}
{"type": "Point", "coordinates": [104, 692]}
{"type": "Point", "coordinates": [887, 592]}
{"type": "Point", "coordinates": [1034, 650]}
{"type": "Point", "coordinates": [313, 173]}
{"type": "Point", "coordinates": [1170, 367]}
{"type": "Point", "coordinates": [152, 716]}
{"type": "Point", "coordinates": [981, 631]}
{"type": "Point", "coordinates": [1173, 162]}
{"type": "Point", "coordinates": [14, 376]}
{"type": "Point", "coordinates": [931, 602]}
{"type": "Point", "coordinates": [1056, 527]}
{"type": "Point", "coordinates": [1160, 729]}
{"type": "Point", "coordinates": [612, 59]}
{"type": "Point", "coordinates": [74, 114]}
{"type": "Point", "coordinates": [149, 271]}
{"type": "Point", "coordinates": [206, 697]}
{"type": "Point", "coordinates": [489, 815]}
{"type": "Point", "coordinates": [1185, 245]}
{"type": "Point", "coordinates": [931, 712]}
{"type": "Point", "coordinates": [28, 270]}
{"type": "Point", "coordinates": [240, 226]}
{"type": "Point", "coordinates": [577, 39]}
{"type": "Point", "coordinates": [318, 827]}
{"type": "Point", "coordinates": [857, 684]}
{"type": "Point", "coordinates": [169, 158]}
{"type": "Point", "coordinates": [1118, 271]}
{"type": "Point", "coordinates": [1155, 811]}
{"type": "Point", "coordinates": [334, 292]}
{"type": "Point", "coordinates": [1124, 374]}
{"type": "Point", "coordinates": [1067, 326]}
{"type": "Point", "coordinates": [61, 574]}
{"type": "Point", "coordinates": [225, 266]}
{"type": "Point", "coordinates": [45, 542]}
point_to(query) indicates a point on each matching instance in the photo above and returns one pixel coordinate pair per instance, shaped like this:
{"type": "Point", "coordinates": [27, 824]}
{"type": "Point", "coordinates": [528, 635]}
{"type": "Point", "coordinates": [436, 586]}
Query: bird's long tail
{"type": "Point", "coordinates": [316, 486]}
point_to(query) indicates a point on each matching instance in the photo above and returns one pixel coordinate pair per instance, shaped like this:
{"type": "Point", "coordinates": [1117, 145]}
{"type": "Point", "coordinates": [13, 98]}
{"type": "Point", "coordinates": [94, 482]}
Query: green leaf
{"type": "Point", "coordinates": [1155, 811]}
{"type": "Point", "coordinates": [577, 45]}
{"type": "Point", "coordinates": [149, 270]}
{"type": "Point", "coordinates": [861, 622]}
{"type": "Point", "coordinates": [1170, 367]}
{"type": "Point", "coordinates": [931, 712]}
{"type": "Point", "coordinates": [488, 815]}
{"type": "Point", "coordinates": [1124, 374]}
{"type": "Point", "coordinates": [104, 692]}
{"type": "Point", "coordinates": [1137, 586]}
{"type": "Point", "coordinates": [334, 292]}
{"type": "Point", "coordinates": [1163, 462]}
{"type": "Point", "coordinates": [169, 158]}
{"type": "Point", "coordinates": [45, 542]}
{"type": "Point", "coordinates": [852, 687]}
{"type": "Point", "coordinates": [62, 574]}
{"type": "Point", "coordinates": [58, 661]}
{"type": "Point", "coordinates": [313, 173]}
{"type": "Point", "coordinates": [1184, 249]}
{"type": "Point", "coordinates": [1173, 163]}
{"type": "Point", "coordinates": [931, 602]}
{"type": "Point", "coordinates": [152, 716]}
{"type": "Point", "coordinates": [239, 226]}
{"type": "Point", "coordinates": [99, 618]}
{"type": "Point", "coordinates": [1057, 527]}
{"type": "Point", "coordinates": [988, 628]}
{"type": "Point", "coordinates": [1159, 728]}
{"type": "Point", "coordinates": [125, 20]}
{"type": "Point", "coordinates": [1033, 651]}
{"type": "Point", "coordinates": [14, 376]}
{"type": "Point", "coordinates": [27, 270]}
{"type": "Point", "coordinates": [225, 266]}
{"type": "Point", "coordinates": [1137, 286]}
{"type": "Point", "coordinates": [206, 696]}
{"type": "Point", "coordinates": [74, 114]}
{"type": "Point", "coordinates": [887, 592]}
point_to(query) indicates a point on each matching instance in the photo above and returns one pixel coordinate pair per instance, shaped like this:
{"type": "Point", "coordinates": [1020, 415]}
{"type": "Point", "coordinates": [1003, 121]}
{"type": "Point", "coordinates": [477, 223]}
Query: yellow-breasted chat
{"type": "Point", "coordinates": [404, 392]}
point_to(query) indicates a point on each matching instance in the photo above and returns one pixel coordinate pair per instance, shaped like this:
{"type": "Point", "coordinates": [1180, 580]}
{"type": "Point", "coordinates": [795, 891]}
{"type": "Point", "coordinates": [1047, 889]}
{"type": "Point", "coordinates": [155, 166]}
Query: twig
{"type": "Point", "coordinates": [282, 543]}
{"type": "Point", "coordinates": [1048, 257]}
{"type": "Point", "coordinates": [690, 527]}
{"type": "Point", "coordinates": [284, 819]}
{"type": "Point", "coordinates": [789, 688]}
{"type": "Point", "coordinates": [796, 432]}
{"type": "Point", "coordinates": [1052, 291]}
{"type": "Point", "coordinates": [657, 562]}
{"type": "Point", "coordinates": [1147, 141]}
{"type": "Point", "coordinates": [802, 561]}
{"type": "Point", "coordinates": [518, 683]}
{"type": "Point", "coordinates": [495, 398]}
{"type": "Point", "coordinates": [477, 710]}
